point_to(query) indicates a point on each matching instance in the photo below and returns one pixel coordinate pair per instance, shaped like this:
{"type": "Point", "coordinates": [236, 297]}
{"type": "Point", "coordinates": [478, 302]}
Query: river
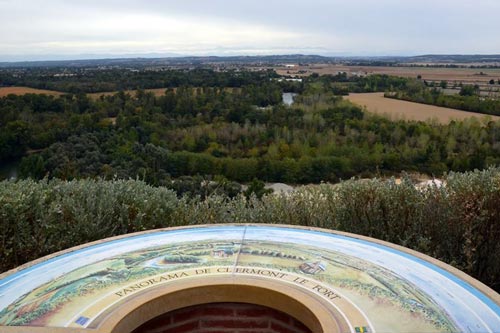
{"type": "Point", "coordinates": [288, 98]}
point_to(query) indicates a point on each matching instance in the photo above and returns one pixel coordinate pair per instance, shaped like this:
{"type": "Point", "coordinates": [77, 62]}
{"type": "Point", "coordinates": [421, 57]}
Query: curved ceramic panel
{"type": "Point", "coordinates": [375, 287]}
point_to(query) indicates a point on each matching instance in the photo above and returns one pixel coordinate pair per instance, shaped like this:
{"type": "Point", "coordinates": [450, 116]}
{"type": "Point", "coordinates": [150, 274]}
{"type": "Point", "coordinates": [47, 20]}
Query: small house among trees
{"type": "Point", "coordinates": [313, 268]}
{"type": "Point", "coordinates": [222, 252]}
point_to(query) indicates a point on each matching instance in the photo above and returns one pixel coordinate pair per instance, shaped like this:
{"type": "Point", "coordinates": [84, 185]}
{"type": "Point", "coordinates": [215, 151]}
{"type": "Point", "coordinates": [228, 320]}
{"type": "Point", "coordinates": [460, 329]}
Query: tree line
{"type": "Point", "coordinates": [91, 80]}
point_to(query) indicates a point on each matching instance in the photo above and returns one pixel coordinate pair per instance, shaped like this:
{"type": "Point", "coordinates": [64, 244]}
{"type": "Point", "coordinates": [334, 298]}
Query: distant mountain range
{"type": "Point", "coordinates": [151, 60]}
{"type": "Point", "coordinates": [448, 58]}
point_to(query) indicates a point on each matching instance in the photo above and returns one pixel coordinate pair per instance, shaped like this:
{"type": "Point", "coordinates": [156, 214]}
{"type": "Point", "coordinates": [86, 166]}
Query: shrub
{"type": "Point", "coordinates": [458, 223]}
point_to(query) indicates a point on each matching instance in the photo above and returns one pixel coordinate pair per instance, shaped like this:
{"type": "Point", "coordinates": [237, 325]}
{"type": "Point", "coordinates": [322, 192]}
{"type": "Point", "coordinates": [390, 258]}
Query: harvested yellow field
{"type": "Point", "coordinates": [4, 91]}
{"type": "Point", "coordinates": [396, 109]}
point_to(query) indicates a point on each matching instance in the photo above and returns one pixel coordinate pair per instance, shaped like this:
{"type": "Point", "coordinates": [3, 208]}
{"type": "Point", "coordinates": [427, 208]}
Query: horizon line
{"type": "Point", "coordinates": [152, 56]}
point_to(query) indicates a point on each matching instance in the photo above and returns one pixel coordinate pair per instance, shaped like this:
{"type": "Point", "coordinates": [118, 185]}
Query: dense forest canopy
{"type": "Point", "coordinates": [90, 80]}
{"type": "Point", "coordinates": [238, 131]}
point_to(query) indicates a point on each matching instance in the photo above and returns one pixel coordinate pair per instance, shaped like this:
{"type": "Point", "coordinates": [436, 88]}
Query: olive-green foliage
{"type": "Point", "coordinates": [38, 218]}
{"type": "Point", "coordinates": [458, 223]}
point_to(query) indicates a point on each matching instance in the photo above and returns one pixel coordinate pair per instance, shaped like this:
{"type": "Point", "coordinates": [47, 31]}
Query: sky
{"type": "Point", "coordinates": [57, 29]}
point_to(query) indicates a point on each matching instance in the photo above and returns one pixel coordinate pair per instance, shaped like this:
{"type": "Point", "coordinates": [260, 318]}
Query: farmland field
{"type": "Point", "coordinates": [465, 75]}
{"type": "Point", "coordinates": [4, 91]}
{"type": "Point", "coordinates": [396, 109]}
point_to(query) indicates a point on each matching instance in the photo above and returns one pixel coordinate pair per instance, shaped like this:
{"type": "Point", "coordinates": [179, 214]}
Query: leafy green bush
{"type": "Point", "coordinates": [38, 218]}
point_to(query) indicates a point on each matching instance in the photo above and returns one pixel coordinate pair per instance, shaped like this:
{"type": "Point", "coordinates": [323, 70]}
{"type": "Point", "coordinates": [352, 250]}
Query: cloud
{"type": "Point", "coordinates": [200, 27]}
{"type": "Point", "coordinates": [142, 32]}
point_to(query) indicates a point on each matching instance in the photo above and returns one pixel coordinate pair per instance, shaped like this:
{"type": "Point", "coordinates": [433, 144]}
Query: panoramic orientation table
{"type": "Point", "coordinates": [330, 281]}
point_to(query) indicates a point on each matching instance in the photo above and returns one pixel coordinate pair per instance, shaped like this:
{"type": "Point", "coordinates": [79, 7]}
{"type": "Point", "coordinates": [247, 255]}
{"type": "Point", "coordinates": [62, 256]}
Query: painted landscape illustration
{"type": "Point", "coordinates": [375, 290]}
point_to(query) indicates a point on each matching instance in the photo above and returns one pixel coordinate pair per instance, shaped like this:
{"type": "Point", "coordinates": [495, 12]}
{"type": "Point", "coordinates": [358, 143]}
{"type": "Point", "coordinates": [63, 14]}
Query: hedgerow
{"type": "Point", "coordinates": [458, 223]}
